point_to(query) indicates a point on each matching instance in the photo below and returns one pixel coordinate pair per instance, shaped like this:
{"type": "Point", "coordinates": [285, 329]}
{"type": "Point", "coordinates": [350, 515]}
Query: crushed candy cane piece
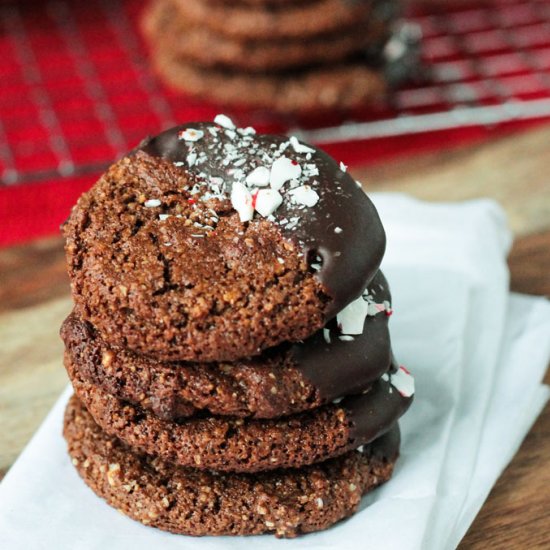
{"type": "Point", "coordinates": [241, 199]}
{"type": "Point", "coordinates": [163, 217]}
{"type": "Point", "coordinates": [300, 147]}
{"type": "Point", "coordinates": [191, 134]}
{"type": "Point", "coordinates": [152, 203]}
{"type": "Point", "coordinates": [282, 170]}
{"type": "Point", "coordinates": [225, 122]}
{"type": "Point", "coordinates": [338, 230]}
{"type": "Point", "coordinates": [403, 382]}
{"type": "Point", "coordinates": [304, 195]}
{"type": "Point", "coordinates": [352, 318]}
{"type": "Point", "coordinates": [258, 177]}
{"type": "Point", "coordinates": [248, 131]}
{"type": "Point", "coordinates": [343, 167]}
{"type": "Point", "coordinates": [267, 201]}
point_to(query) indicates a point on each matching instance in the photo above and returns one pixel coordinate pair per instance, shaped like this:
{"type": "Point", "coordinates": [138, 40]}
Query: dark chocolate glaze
{"type": "Point", "coordinates": [342, 368]}
{"type": "Point", "coordinates": [375, 412]}
{"type": "Point", "coordinates": [349, 256]}
{"type": "Point", "coordinates": [386, 446]}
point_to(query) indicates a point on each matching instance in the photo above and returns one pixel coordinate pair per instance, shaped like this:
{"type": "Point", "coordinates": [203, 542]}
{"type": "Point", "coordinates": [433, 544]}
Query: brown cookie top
{"type": "Point", "coordinates": [249, 445]}
{"type": "Point", "coordinates": [342, 86]}
{"type": "Point", "coordinates": [286, 20]}
{"type": "Point", "coordinates": [168, 30]}
{"type": "Point", "coordinates": [212, 243]}
{"type": "Point", "coordinates": [285, 380]}
{"type": "Point", "coordinates": [194, 502]}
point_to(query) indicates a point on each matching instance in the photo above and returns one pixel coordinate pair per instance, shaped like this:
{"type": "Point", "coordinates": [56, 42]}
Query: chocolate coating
{"type": "Point", "coordinates": [340, 367]}
{"type": "Point", "coordinates": [374, 413]}
{"type": "Point", "coordinates": [343, 229]}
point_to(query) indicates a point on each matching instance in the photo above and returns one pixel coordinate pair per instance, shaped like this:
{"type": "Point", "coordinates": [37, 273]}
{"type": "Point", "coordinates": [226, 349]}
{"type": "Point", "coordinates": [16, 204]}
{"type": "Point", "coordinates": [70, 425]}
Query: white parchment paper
{"type": "Point", "coordinates": [478, 355]}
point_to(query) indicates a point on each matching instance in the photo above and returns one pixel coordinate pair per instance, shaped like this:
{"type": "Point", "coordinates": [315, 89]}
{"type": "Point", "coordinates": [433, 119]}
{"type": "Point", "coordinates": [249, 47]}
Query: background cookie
{"type": "Point", "coordinates": [342, 86]}
{"type": "Point", "coordinates": [161, 262]}
{"type": "Point", "coordinates": [192, 502]}
{"type": "Point", "coordinates": [198, 45]}
{"type": "Point", "coordinates": [292, 20]}
{"type": "Point", "coordinates": [245, 445]}
{"type": "Point", "coordinates": [281, 381]}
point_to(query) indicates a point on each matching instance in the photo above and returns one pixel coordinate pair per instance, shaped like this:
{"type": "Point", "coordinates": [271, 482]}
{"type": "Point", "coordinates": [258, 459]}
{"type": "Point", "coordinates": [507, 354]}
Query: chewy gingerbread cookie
{"type": "Point", "coordinates": [194, 502]}
{"type": "Point", "coordinates": [285, 380]}
{"type": "Point", "coordinates": [212, 243]}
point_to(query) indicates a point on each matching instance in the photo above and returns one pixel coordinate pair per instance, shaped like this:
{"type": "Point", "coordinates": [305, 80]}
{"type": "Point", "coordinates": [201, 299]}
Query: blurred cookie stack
{"type": "Point", "coordinates": [285, 55]}
{"type": "Point", "coordinates": [229, 347]}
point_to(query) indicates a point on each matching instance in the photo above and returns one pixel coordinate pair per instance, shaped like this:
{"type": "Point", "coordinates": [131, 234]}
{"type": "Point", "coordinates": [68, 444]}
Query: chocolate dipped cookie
{"type": "Point", "coordinates": [212, 243]}
{"type": "Point", "coordinates": [251, 445]}
{"type": "Point", "coordinates": [285, 380]}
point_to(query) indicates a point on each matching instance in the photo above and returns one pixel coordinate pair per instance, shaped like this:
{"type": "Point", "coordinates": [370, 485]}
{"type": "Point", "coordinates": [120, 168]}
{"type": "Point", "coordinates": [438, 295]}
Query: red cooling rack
{"type": "Point", "coordinates": [76, 92]}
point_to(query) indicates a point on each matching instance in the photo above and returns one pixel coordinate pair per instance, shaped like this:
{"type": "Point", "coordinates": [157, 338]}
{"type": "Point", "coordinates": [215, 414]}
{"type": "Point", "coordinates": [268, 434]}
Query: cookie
{"type": "Point", "coordinates": [194, 502]}
{"type": "Point", "coordinates": [343, 86]}
{"type": "Point", "coordinates": [200, 46]}
{"type": "Point", "coordinates": [287, 20]}
{"type": "Point", "coordinates": [250, 445]}
{"type": "Point", "coordinates": [282, 381]}
{"type": "Point", "coordinates": [211, 243]}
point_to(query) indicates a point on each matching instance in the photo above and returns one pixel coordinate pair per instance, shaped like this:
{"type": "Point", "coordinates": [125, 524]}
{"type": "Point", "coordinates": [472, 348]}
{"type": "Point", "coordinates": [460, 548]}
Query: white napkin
{"type": "Point", "coordinates": [478, 355]}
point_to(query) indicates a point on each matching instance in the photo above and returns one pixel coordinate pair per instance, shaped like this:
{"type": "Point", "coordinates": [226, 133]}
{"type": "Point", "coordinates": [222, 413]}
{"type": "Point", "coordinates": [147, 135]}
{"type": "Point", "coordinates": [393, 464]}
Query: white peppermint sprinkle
{"type": "Point", "coordinates": [300, 147]}
{"type": "Point", "coordinates": [337, 400]}
{"type": "Point", "coordinates": [267, 201]}
{"type": "Point", "coordinates": [403, 382]}
{"type": "Point", "coordinates": [343, 167]}
{"type": "Point", "coordinates": [178, 163]}
{"type": "Point", "coordinates": [248, 131]}
{"type": "Point", "coordinates": [311, 170]}
{"type": "Point", "coordinates": [326, 335]}
{"type": "Point", "coordinates": [282, 170]}
{"type": "Point", "coordinates": [352, 318]}
{"type": "Point", "coordinates": [319, 502]}
{"type": "Point", "coordinates": [385, 377]}
{"type": "Point", "coordinates": [230, 134]}
{"type": "Point", "coordinates": [241, 199]}
{"type": "Point", "coordinates": [259, 177]}
{"type": "Point", "coordinates": [163, 217]}
{"type": "Point", "coordinates": [152, 203]}
{"type": "Point", "coordinates": [338, 230]}
{"type": "Point", "coordinates": [281, 261]}
{"type": "Point", "coordinates": [191, 159]}
{"type": "Point", "coordinates": [225, 122]}
{"type": "Point", "coordinates": [346, 338]}
{"type": "Point", "coordinates": [191, 134]}
{"type": "Point", "coordinates": [304, 195]}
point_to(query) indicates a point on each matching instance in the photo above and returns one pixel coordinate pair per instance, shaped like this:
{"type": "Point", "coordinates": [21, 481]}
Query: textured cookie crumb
{"type": "Point", "coordinates": [192, 502]}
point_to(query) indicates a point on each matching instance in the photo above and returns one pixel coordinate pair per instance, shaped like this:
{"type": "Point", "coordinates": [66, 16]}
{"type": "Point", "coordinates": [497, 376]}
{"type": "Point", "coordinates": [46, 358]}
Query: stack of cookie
{"type": "Point", "coordinates": [229, 345]}
{"type": "Point", "coordinates": [286, 55]}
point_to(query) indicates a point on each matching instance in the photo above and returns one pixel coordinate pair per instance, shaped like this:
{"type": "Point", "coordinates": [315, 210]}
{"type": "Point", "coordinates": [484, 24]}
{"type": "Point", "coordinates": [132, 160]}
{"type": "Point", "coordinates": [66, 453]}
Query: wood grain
{"type": "Point", "coordinates": [34, 299]}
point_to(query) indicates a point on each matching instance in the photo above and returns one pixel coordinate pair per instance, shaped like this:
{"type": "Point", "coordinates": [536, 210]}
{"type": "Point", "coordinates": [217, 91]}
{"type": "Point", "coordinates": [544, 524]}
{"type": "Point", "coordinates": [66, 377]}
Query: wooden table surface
{"type": "Point", "coordinates": [34, 299]}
